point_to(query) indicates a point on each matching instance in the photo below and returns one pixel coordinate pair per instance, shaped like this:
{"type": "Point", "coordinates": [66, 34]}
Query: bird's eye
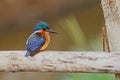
{"type": "Point", "coordinates": [43, 29]}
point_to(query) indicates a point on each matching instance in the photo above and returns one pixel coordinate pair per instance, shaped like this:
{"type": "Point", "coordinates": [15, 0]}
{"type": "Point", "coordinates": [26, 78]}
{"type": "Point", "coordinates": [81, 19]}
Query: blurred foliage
{"type": "Point", "coordinates": [78, 22]}
{"type": "Point", "coordinates": [87, 76]}
{"type": "Point", "coordinates": [74, 31]}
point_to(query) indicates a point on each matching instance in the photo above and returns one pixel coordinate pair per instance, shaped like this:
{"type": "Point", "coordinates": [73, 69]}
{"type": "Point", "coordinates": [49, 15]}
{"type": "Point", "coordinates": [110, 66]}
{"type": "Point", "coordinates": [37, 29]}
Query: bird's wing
{"type": "Point", "coordinates": [35, 42]}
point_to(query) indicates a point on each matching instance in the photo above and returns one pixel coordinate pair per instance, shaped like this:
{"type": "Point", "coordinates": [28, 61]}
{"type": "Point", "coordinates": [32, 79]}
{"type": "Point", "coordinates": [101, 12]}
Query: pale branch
{"type": "Point", "coordinates": [111, 10]}
{"type": "Point", "coordinates": [60, 61]}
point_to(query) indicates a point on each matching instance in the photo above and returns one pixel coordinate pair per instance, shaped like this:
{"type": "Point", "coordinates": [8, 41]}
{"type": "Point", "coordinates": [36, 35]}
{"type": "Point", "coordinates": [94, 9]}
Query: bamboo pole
{"type": "Point", "coordinates": [111, 10]}
{"type": "Point", "coordinates": [60, 61]}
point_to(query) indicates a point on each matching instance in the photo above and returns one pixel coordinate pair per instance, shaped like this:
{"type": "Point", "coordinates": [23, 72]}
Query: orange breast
{"type": "Point", "coordinates": [46, 35]}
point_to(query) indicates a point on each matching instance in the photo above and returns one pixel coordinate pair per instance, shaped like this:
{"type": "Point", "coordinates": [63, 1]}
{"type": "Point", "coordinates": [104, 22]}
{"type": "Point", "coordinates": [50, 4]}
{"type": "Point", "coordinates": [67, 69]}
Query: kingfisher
{"type": "Point", "coordinates": [39, 39]}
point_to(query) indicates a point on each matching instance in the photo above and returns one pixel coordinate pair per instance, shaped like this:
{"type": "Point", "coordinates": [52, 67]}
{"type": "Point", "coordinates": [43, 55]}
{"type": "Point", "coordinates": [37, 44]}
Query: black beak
{"type": "Point", "coordinates": [51, 31]}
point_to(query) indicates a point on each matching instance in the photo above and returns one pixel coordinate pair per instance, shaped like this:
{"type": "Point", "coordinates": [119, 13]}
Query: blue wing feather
{"type": "Point", "coordinates": [34, 43]}
{"type": "Point", "coordinates": [27, 53]}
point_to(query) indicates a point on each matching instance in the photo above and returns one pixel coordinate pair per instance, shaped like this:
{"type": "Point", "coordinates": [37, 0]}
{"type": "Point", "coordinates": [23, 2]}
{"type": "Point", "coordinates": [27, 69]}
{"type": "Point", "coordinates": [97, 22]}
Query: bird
{"type": "Point", "coordinates": [39, 39]}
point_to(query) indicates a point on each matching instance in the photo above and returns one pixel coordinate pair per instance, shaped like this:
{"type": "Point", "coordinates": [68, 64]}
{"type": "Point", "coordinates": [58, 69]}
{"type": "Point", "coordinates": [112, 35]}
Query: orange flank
{"type": "Point", "coordinates": [46, 36]}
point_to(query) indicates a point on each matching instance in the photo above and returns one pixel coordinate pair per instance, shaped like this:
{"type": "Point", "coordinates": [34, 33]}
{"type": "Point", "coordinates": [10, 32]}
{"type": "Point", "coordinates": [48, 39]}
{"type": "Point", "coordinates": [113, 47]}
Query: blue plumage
{"type": "Point", "coordinates": [34, 43]}
{"type": "Point", "coordinates": [41, 25]}
{"type": "Point", "coordinates": [39, 40]}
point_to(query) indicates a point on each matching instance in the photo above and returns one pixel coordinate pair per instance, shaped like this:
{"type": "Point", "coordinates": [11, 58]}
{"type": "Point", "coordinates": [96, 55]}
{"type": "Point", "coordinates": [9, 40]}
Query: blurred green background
{"type": "Point", "coordinates": [78, 22]}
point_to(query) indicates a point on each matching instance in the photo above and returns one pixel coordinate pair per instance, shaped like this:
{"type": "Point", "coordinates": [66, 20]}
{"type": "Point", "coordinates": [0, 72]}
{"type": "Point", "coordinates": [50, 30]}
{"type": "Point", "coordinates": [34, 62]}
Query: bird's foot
{"type": "Point", "coordinates": [40, 51]}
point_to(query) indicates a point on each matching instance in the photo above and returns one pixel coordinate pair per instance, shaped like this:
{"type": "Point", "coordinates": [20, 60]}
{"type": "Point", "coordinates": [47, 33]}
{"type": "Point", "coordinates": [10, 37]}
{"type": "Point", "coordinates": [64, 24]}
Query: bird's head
{"type": "Point", "coordinates": [42, 27]}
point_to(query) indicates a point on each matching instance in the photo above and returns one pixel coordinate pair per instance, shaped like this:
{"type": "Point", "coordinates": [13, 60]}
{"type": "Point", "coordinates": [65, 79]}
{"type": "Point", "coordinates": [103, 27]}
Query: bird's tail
{"type": "Point", "coordinates": [27, 54]}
